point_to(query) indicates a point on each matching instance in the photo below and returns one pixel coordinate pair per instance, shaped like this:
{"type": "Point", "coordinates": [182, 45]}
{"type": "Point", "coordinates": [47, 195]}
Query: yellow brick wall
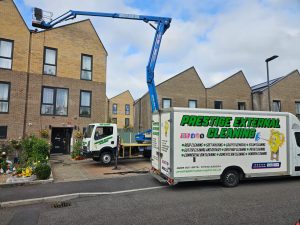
{"type": "Point", "coordinates": [230, 91]}
{"type": "Point", "coordinates": [286, 91]}
{"type": "Point", "coordinates": [121, 100]}
{"type": "Point", "coordinates": [70, 41]}
{"type": "Point", "coordinates": [180, 89]}
{"type": "Point", "coordinates": [13, 27]}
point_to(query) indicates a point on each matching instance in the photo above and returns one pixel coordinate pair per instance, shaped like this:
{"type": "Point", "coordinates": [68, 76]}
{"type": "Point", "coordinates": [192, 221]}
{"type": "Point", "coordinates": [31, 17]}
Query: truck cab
{"type": "Point", "coordinates": [100, 142]}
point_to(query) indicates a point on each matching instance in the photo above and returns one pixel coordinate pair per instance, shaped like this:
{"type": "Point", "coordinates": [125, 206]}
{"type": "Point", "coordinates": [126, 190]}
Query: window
{"type": "Point", "coordinates": [114, 120]}
{"type": "Point", "coordinates": [85, 103]}
{"type": "Point", "coordinates": [55, 101]}
{"type": "Point", "coordinates": [50, 61]}
{"type": "Point", "coordinates": [115, 109]}
{"type": "Point", "coordinates": [166, 103]}
{"type": "Point", "coordinates": [3, 132]}
{"type": "Point", "coordinates": [102, 132]}
{"type": "Point", "coordinates": [241, 106]}
{"type": "Point", "coordinates": [297, 109]}
{"type": "Point", "coordinates": [127, 122]}
{"type": "Point", "coordinates": [6, 54]}
{"type": "Point", "coordinates": [218, 105]}
{"type": "Point", "coordinates": [4, 97]}
{"type": "Point", "coordinates": [297, 136]}
{"type": "Point", "coordinates": [276, 106]}
{"type": "Point", "coordinates": [192, 103]}
{"type": "Point", "coordinates": [86, 67]}
{"type": "Point", "coordinates": [127, 109]}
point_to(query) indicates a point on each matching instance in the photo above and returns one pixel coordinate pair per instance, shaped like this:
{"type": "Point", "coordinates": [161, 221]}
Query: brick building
{"type": "Point", "coordinates": [231, 93]}
{"type": "Point", "coordinates": [120, 110]}
{"type": "Point", "coordinates": [183, 90]}
{"type": "Point", "coordinates": [284, 94]}
{"type": "Point", "coordinates": [52, 80]}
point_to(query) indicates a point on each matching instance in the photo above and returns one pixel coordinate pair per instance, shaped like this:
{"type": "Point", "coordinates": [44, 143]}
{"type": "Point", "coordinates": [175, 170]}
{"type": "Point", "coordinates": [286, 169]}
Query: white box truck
{"type": "Point", "coordinates": [227, 145]}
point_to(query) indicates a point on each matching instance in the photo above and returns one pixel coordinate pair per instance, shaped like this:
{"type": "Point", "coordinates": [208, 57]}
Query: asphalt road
{"type": "Point", "coordinates": [253, 202]}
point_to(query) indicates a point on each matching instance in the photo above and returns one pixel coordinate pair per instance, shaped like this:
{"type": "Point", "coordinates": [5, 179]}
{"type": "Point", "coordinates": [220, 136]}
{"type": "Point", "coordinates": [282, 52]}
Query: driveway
{"type": "Point", "coordinates": [66, 169]}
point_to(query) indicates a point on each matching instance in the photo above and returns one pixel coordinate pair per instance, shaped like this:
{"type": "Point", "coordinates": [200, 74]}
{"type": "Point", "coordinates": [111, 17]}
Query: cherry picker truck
{"type": "Point", "coordinates": [204, 144]}
{"type": "Point", "coordinates": [102, 147]}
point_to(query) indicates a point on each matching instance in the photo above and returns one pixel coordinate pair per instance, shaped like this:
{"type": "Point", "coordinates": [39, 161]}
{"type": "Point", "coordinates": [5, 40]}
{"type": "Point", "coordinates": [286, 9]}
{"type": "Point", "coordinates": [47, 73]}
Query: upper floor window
{"type": "Point", "coordinates": [166, 103]}
{"type": "Point", "coordinates": [297, 109]}
{"type": "Point", "coordinates": [114, 108]}
{"type": "Point", "coordinates": [86, 67]}
{"type": "Point", "coordinates": [6, 54]}
{"type": "Point", "coordinates": [241, 106]}
{"type": "Point", "coordinates": [50, 61]}
{"type": "Point", "coordinates": [54, 101]}
{"type": "Point", "coordinates": [127, 109]}
{"type": "Point", "coordinates": [276, 106]}
{"type": "Point", "coordinates": [218, 105]}
{"type": "Point", "coordinates": [85, 103]}
{"type": "Point", "coordinates": [4, 97]}
{"type": "Point", "coordinates": [192, 103]}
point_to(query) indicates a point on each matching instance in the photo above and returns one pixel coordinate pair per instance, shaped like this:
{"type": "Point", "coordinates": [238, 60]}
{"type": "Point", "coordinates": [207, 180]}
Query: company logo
{"type": "Point", "coordinates": [266, 165]}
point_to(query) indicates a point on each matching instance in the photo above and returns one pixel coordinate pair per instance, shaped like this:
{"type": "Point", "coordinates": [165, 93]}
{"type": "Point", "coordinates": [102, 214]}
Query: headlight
{"type": "Point", "coordinates": [88, 146]}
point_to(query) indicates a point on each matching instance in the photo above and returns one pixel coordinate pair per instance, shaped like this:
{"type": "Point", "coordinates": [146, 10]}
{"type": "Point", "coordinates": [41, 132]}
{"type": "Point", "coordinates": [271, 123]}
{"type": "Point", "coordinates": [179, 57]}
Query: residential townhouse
{"type": "Point", "coordinates": [53, 80]}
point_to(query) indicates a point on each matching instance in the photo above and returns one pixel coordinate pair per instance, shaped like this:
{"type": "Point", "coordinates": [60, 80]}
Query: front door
{"type": "Point", "coordinates": [296, 143]}
{"type": "Point", "coordinates": [61, 139]}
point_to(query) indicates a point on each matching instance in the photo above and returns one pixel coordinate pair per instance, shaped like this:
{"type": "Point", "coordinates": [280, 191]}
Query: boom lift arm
{"type": "Point", "coordinates": [163, 23]}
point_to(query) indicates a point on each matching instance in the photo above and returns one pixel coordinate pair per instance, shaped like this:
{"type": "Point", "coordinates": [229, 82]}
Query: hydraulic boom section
{"type": "Point", "coordinates": [43, 20]}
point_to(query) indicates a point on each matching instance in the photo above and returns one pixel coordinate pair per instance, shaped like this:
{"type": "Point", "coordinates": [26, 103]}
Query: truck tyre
{"type": "Point", "coordinates": [230, 178]}
{"type": "Point", "coordinates": [106, 158]}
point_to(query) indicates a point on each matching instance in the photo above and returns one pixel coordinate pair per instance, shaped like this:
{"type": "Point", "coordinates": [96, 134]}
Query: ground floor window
{"type": "Point", "coordinates": [127, 122]}
{"type": "Point", "coordinates": [276, 106]}
{"type": "Point", "coordinates": [218, 105]}
{"type": "Point", "coordinates": [3, 132]}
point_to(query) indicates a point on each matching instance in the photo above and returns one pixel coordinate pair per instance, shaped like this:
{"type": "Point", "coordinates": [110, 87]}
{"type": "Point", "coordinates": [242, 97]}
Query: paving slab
{"type": "Point", "coordinates": [65, 169]}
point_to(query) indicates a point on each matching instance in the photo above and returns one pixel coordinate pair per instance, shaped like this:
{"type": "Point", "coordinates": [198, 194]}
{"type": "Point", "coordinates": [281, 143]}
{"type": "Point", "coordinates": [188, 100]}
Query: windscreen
{"type": "Point", "coordinates": [89, 131]}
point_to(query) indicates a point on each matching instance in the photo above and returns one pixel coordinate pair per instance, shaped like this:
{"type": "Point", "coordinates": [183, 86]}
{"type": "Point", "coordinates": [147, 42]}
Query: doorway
{"type": "Point", "coordinates": [61, 140]}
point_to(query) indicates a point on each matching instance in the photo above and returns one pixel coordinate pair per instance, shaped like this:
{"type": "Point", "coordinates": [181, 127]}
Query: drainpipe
{"type": "Point", "coordinates": [27, 84]}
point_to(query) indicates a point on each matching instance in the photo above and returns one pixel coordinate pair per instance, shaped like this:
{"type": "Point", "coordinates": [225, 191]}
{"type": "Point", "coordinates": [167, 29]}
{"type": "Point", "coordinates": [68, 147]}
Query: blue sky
{"type": "Point", "coordinates": [217, 37]}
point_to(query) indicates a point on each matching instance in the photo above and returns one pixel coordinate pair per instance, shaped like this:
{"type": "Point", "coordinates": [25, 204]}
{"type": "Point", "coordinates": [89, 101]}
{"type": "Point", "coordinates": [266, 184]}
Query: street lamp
{"type": "Point", "coordinates": [267, 62]}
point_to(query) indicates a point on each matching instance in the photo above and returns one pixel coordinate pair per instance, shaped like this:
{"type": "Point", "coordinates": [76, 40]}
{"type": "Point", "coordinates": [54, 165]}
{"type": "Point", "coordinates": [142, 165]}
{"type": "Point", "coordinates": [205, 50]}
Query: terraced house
{"type": "Point", "coordinates": [52, 81]}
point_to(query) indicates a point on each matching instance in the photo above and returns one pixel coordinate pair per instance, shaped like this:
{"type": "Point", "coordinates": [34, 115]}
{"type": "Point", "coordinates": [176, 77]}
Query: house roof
{"type": "Point", "coordinates": [263, 86]}
{"type": "Point", "coordinates": [235, 74]}
{"type": "Point", "coordinates": [71, 24]}
{"type": "Point", "coordinates": [179, 74]}
{"type": "Point", "coordinates": [121, 94]}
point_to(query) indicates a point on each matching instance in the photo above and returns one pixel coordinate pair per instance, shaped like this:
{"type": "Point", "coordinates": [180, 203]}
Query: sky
{"type": "Point", "coordinates": [217, 37]}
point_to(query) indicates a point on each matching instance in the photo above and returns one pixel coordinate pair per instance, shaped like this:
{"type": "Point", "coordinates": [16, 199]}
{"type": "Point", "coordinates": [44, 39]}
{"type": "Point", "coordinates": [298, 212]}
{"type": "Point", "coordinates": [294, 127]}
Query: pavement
{"type": "Point", "coordinates": [253, 202]}
{"type": "Point", "coordinates": [65, 169]}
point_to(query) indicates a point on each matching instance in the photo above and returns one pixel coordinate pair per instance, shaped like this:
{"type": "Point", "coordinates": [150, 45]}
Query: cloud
{"type": "Point", "coordinates": [219, 38]}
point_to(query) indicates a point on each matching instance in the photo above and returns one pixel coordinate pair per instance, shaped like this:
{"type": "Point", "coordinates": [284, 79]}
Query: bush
{"type": "Point", "coordinates": [34, 150]}
{"type": "Point", "coordinates": [42, 171]}
{"type": "Point", "coordinates": [76, 149]}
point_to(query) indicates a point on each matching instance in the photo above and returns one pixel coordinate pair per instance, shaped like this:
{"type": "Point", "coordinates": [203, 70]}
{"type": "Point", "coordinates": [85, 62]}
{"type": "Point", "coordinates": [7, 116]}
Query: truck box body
{"type": "Point", "coordinates": [200, 144]}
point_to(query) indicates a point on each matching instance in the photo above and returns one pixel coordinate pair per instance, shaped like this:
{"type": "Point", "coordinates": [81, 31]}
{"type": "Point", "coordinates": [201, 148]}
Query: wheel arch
{"type": "Point", "coordinates": [237, 169]}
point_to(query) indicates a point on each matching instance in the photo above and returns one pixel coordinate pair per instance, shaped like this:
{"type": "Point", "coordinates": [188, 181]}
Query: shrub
{"type": "Point", "coordinates": [42, 171]}
{"type": "Point", "coordinates": [76, 149]}
{"type": "Point", "coordinates": [34, 150]}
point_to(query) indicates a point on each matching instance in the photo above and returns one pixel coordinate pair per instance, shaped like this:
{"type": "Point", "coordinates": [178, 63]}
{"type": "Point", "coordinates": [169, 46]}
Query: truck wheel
{"type": "Point", "coordinates": [230, 178]}
{"type": "Point", "coordinates": [106, 158]}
